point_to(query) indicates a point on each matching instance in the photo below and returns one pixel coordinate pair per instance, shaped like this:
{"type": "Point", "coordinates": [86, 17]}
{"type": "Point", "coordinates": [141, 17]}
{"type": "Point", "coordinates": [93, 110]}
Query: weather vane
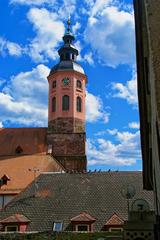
{"type": "Point", "coordinates": [69, 24]}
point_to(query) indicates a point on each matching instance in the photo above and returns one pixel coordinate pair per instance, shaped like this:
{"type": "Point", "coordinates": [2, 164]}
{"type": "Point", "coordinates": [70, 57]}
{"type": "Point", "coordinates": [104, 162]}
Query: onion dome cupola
{"type": "Point", "coordinates": [68, 54]}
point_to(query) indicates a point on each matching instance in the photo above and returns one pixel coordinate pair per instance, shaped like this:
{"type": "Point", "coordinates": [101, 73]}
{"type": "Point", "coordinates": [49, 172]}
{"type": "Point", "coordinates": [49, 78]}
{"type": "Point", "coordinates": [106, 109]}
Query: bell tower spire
{"type": "Point", "coordinates": [68, 51]}
{"type": "Point", "coordinates": [66, 111]}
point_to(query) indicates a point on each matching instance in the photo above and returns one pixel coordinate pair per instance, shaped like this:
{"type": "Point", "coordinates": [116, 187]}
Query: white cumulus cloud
{"type": "Point", "coordinates": [88, 57]}
{"type": "Point", "coordinates": [133, 125]}
{"type": "Point", "coordinates": [10, 48]}
{"type": "Point", "coordinates": [30, 2]}
{"type": "Point", "coordinates": [111, 35]}
{"type": "Point", "coordinates": [125, 151]}
{"type": "Point", "coordinates": [99, 5]}
{"type": "Point", "coordinates": [25, 99]}
{"type": "Point", "coordinates": [95, 109]}
{"type": "Point", "coordinates": [49, 31]}
{"type": "Point", "coordinates": [127, 91]}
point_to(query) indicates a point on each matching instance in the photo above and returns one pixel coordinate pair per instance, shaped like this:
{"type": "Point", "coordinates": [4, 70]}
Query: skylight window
{"type": "Point", "coordinates": [57, 227]}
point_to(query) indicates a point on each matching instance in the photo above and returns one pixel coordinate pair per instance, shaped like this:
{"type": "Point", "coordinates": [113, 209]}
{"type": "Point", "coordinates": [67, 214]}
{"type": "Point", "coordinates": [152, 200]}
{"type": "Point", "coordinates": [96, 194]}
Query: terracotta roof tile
{"type": "Point", "coordinates": [22, 149]}
{"type": "Point", "coordinates": [16, 218]}
{"type": "Point", "coordinates": [17, 169]}
{"type": "Point", "coordinates": [114, 220]}
{"type": "Point", "coordinates": [30, 140]}
{"type": "Point", "coordinates": [83, 217]}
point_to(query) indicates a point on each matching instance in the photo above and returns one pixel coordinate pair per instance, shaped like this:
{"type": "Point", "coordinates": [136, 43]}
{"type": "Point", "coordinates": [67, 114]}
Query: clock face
{"type": "Point", "coordinates": [65, 81]}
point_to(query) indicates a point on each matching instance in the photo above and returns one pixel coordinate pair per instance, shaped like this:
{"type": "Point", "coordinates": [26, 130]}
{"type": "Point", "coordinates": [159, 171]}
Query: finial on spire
{"type": "Point", "coordinates": [69, 25]}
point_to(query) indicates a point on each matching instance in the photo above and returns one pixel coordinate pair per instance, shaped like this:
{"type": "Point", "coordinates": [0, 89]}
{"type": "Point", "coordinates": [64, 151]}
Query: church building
{"type": "Point", "coordinates": [66, 113]}
{"type": "Point", "coordinates": [50, 166]}
{"type": "Point", "coordinates": [26, 152]}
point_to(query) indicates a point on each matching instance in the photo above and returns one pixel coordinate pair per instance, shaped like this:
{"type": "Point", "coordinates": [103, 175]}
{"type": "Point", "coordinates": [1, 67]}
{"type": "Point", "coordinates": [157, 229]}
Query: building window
{"type": "Point", "coordinates": [79, 104]}
{"type": "Point", "coordinates": [82, 228]}
{"type": "Point", "coordinates": [11, 229]}
{"type": "Point", "coordinates": [57, 227]}
{"type": "Point", "coordinates": [115, 229]}
{"type": "Point", "coordinates": [53, 104]}
{"type": "Point", "coordinates": [54, 84]}
{"type": "Point", "coordinates": [79, 84]}
{"type": "Point", "coordinates": [18, 150]}
{"type": "Point", "coordinates": [65, 102]}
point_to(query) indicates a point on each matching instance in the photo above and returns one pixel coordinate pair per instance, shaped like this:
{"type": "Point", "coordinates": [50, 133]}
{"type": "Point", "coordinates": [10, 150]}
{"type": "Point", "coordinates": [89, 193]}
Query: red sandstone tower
{"type": "Point", "coordinates": [66, 123]}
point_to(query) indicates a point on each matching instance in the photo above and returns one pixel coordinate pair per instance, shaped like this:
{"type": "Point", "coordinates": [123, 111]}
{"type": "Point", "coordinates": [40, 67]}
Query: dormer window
{"type": "Point", "coordinates": [57, 226]}
{"type": "Point", "coordinates": [11, 228]}
{"type": "Point", "coordinates": [18, 150]}
{"type": "Point", "coordinates": [82, 228]}
{"type": "Point", "coordinates": [15, 223]}
{"type": "Point", "coordinates": [83, 222]}
{"type": "Point", "coordinates": [114, 223]}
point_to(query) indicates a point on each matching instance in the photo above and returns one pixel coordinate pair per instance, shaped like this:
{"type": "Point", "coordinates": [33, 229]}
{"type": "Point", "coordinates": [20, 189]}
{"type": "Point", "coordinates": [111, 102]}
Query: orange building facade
{"type": "Point", "coordinates": [66, 112]}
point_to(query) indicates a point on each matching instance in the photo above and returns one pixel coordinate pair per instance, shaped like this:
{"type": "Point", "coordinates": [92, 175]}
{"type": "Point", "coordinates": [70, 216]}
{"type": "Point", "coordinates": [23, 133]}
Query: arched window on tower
{"type": "Point", "coordinates": [79, 84]}
{"type": "Point", "coordinates": [79, 104]}
{"type": "Point", "coordinates": [65, 102]}
{"type": "Point", "coordinates": [54, 83]}
{"type": "Point", "coordinates": [53, 104]}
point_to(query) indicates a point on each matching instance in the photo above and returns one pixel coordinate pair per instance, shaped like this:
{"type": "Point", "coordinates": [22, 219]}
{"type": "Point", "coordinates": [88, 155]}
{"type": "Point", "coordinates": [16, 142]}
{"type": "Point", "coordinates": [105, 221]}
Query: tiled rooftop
{"type": "Point", "coordinates": [67, 195]}
{"type": "Point", "coordinates": [32, 142]}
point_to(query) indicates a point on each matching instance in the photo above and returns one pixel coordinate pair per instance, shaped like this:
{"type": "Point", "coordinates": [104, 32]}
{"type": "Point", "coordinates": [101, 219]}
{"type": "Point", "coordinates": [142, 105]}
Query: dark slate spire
{"type": "Point", "coordinates": [68, 52]}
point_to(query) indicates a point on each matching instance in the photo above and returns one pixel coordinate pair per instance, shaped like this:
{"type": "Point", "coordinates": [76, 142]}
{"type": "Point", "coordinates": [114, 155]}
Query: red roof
{"type": "Point", "coordinates": [114, 220]}
{"type": "Point", "coordinates": [83, 217]}
{"type": "Point", "coordinates": [30, 140]}
{"type": "Point", "coordinates": [16, 164]}
{"type": "Point", "coordinates": [16, 218]}
{"type": "Point", "coordinates": [17, 169]}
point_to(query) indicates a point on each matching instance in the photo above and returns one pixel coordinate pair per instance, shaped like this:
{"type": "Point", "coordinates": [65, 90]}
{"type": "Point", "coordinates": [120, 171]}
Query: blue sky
{"type": "Point", "coordinates": [30, 35]}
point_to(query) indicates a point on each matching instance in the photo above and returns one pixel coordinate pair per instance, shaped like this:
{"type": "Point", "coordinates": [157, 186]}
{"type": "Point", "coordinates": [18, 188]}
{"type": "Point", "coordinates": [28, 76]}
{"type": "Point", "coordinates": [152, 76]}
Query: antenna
{"type": "Point", "coordinates": [34, 170]}
{"type": "Point", "coordinates": [128, 192]}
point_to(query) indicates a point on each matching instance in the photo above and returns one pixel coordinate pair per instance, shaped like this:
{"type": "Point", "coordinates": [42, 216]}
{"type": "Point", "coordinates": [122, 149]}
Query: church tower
{"type": "Point", "coordinates": [66, 122]}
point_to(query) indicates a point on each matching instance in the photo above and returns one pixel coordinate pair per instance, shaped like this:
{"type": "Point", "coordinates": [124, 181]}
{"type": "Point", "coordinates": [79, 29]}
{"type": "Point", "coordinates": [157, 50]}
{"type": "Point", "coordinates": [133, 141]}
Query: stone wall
{"type": "Point", "coordinates": [66, 125]}
{"type": "Point", "coordinates": [69, 149]}
{"type": "Point", "coordinates": [72, 144]}
{"type": "Point", "coordinates": [75, 163]}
